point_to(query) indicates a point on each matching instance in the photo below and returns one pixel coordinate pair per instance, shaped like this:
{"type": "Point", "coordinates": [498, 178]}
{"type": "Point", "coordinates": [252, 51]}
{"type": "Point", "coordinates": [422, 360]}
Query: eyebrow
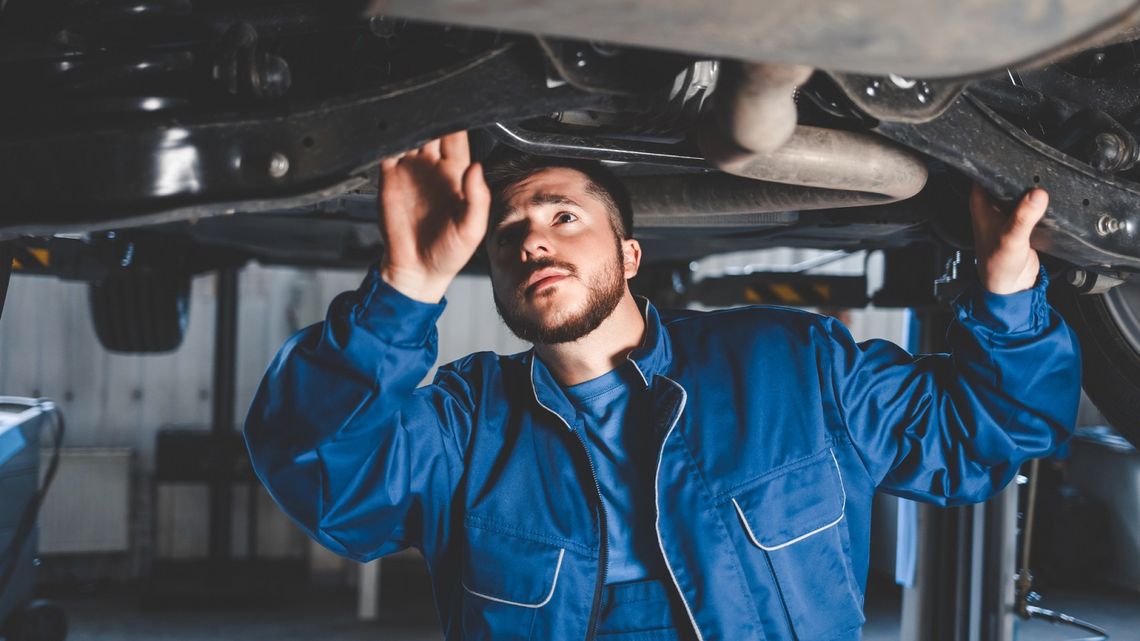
{"type": "Point", "coordinates": [537, 200]}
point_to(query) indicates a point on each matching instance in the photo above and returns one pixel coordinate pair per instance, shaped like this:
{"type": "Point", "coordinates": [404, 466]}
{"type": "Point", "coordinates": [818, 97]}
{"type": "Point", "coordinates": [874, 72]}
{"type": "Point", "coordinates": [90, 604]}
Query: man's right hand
{"type": "Point", "coordinates": [434, 204]}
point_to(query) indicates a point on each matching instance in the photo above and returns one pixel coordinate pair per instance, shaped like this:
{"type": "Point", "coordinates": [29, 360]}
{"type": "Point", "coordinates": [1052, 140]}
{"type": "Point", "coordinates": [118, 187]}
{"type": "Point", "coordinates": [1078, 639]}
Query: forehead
{"type": "Point", "coordinates": [543, 186]}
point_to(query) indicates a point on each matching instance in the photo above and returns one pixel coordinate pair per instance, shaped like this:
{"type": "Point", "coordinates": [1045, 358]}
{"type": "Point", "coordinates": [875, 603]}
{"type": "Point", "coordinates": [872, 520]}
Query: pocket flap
{"type": "Point", "coordinates": [506, 568]}
{"type": "Point", "coordinates": [793, 504]}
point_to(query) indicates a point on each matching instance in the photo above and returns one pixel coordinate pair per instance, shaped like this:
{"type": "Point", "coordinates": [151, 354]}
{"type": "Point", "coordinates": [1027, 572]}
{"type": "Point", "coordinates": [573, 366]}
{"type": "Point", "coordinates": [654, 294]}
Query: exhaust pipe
{"type": "Point", "coordinates": [761, 144]}
{"type": "Point", "coordinates": [777, 166]}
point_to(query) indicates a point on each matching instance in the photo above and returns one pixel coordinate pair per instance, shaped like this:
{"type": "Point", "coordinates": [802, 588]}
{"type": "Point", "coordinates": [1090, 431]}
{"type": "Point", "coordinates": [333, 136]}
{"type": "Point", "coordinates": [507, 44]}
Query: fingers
{"type": "Point", "coordinates": [984, 215]}
{"type": "Point", "coordinates": [430, 150]}
{"type": "Point", "coordinates": [453, 146]}
{"type": "Point", "coordinates": [983, 208]}
{"type": "Point", "coordinates": [1029, 212]}
{"type": "Point", "coordinates": [989, 219]}
{"type": "Point", "coordinates": [477, 195]}
{"type": "Point", "coordinates": [456, 147]}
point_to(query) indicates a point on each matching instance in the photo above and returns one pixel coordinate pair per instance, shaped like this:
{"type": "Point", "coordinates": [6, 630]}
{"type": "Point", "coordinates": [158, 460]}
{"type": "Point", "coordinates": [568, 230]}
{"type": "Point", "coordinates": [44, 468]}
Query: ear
{"type": "Point", "coordinates": [630, 257]}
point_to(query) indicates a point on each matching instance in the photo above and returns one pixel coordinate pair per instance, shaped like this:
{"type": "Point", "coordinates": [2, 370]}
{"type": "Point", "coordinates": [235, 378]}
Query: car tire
{"type": "Point", "coordinates": [1108, 326]}
{"type": "Point", "coordinates": [141, 311]}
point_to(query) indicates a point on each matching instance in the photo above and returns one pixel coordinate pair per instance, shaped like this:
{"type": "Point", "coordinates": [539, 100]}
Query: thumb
{"type": "Point", "coordinates": [1028, 213]}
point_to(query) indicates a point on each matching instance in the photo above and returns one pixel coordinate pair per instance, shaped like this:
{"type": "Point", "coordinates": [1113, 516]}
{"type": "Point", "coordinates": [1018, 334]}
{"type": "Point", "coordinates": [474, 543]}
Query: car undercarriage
{"type": "Point", "coordinates": [143, 142]}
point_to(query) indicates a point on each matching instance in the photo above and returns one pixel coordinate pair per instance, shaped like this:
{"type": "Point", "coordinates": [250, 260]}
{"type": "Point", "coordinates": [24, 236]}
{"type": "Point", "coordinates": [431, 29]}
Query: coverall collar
{"type": "Point", "coordinates": [650, 359]}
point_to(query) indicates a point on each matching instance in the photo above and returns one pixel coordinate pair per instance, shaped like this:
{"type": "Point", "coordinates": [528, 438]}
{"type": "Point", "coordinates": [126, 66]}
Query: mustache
{"type": "Point", "coordinates": [544, 263]}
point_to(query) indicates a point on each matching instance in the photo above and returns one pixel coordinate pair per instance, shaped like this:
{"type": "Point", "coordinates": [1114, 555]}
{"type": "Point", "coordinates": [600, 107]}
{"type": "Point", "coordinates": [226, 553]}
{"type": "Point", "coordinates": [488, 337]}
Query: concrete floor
{"type": "Point", "coordinates": [331, 616]}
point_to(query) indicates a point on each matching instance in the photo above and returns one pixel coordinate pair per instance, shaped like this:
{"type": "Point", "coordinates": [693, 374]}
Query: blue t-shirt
{"type": "Point", "coordinates": [612, 411]}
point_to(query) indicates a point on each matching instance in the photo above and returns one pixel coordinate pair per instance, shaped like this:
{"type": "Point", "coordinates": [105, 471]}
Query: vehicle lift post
{"type": "Point", "coordinates": [964, 576]}
{"type": "Point", "coordinates": [6, 255]}
{"type": "Point", "coordinates": [222, 422]}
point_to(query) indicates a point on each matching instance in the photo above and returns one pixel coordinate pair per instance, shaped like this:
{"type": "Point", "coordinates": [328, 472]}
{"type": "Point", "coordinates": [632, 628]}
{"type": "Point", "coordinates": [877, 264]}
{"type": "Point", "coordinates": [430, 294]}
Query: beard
{"type": "Point", "coordinates": [606, 290]}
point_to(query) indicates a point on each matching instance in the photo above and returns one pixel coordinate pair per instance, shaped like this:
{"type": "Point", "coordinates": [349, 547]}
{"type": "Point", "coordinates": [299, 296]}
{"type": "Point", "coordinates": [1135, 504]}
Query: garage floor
{"type": "Point", "coordinates": [331, 616]}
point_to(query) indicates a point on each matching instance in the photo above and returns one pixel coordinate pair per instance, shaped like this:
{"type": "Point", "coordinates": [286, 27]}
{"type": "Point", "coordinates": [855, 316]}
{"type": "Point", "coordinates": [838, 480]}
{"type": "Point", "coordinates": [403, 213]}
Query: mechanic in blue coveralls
{"type": "Point", "coordinates": [639, 475]}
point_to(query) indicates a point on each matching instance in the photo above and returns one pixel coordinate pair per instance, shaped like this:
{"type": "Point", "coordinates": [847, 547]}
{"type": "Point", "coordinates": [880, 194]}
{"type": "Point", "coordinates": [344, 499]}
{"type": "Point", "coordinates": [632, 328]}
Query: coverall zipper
{"type": "Point", "coordinates": [603, 549]}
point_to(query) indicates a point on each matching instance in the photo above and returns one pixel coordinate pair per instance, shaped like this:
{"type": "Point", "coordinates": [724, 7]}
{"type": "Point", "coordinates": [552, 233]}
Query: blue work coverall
{"type": "Point", "coordinates": [774, 429]}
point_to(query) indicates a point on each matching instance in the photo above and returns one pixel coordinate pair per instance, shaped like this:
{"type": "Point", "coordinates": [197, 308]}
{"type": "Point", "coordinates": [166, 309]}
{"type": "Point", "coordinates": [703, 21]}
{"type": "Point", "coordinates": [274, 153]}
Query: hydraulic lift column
{"type": "Point", "coordinates": [964, 575]}
{"type": "Point", "coordinates": [222, 423]}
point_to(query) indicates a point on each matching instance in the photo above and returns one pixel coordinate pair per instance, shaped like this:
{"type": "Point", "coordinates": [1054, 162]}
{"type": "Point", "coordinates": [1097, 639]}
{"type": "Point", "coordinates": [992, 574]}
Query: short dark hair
{"type": "Point", "coordinates": [505, 170]}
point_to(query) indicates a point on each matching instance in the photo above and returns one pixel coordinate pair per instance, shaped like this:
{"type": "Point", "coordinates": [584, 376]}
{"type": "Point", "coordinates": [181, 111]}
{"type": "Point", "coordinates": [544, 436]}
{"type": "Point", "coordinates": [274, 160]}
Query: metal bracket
{"type": "Point", "coordinates": [609, 69]}
{"type": "Point", "coordinates": [949, 277]}
{"type": "Point", "coordinates": [1008, 162]}
{"type": "Point", "coordinates": [894, 98]}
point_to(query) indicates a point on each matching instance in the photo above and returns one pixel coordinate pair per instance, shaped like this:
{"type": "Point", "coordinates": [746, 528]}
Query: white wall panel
{"type": "Point", "coordinates": [48, 348]}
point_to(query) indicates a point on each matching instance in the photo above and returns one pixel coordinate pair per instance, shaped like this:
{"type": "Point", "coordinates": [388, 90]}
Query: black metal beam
{"type": "Point", "coordinates": [5, 273]}
{"type": "Point", "coordinates": [151, 171]}
{"type": "Point", "coordinates": [1093, 218]}
{"type": "Point", "coordinates": [222, 420]}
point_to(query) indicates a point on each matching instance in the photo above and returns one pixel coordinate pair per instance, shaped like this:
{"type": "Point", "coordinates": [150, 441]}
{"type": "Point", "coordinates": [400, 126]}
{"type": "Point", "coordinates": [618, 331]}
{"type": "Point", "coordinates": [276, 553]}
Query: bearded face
{"type": "Point", "coordinates": [558, 262]}
{"type": "Point", "coordinates": [605, 287]}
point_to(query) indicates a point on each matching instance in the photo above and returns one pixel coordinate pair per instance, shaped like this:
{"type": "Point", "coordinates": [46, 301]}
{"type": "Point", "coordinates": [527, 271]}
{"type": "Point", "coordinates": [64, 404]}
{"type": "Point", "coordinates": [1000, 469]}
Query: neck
{"type": "Point", "coordinates": [601, 350]}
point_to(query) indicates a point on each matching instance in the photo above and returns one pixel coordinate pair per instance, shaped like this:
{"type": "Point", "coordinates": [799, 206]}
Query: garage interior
{"type": "Point", "coordinates": [184, 184]}
{"type": "Point", "coordinates": [128, 535]}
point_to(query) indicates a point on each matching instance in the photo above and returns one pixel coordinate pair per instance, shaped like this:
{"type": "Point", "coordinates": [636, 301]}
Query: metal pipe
{"type": "Point", "coordinates": [751, 132]}
{"type": "Point", "coordinates": [756, 107]}
{"type": "Point", "coordinates": [714, 199]}
{"type": "Point", "coordinates": [825, 158]}
{"type": "Point", "coordinates": [571, 146]}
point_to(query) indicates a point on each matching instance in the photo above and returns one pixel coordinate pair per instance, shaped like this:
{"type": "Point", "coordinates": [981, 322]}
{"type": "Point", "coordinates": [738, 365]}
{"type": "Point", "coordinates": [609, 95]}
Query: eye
{"type": "Point", "coordinates": [565, 217]}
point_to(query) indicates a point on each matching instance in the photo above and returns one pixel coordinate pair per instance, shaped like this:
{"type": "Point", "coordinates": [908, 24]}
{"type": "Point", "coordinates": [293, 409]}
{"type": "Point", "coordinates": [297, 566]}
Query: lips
{"type": "Point", "coordinates": [543, 278]}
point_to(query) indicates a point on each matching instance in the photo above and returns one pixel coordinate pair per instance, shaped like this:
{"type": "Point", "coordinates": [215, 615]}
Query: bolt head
{"type": "Point", "coordinates": [278, 165]}
{"type": "Point", "coordinates": [1076, 277]}
{"type": "Point", "coordinates": [901, 82]}
{"type": "Point", "coordinates": [1106, 225]}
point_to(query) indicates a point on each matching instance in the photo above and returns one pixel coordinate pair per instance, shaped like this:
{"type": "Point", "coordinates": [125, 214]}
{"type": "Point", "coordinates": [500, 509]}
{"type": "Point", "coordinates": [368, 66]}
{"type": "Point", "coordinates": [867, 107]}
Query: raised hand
{"type": "Point", "coordinates": [1006, 262]}
{"type": "Point", "coordinates": [434, 204]}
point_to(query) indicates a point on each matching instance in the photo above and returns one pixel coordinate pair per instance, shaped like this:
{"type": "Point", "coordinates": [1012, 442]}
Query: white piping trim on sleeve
{"type": "Point", "coordinates": [557, 571]}
{"type": "Point", "coordinates": [772, 548]}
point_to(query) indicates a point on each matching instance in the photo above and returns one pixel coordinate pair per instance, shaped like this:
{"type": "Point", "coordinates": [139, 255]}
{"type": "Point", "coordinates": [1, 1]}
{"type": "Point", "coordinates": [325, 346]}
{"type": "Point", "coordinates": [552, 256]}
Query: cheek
{"type": "Point", "coordinates": [498, 276]}
{"type": "Point", "coordinates": [497, 281]}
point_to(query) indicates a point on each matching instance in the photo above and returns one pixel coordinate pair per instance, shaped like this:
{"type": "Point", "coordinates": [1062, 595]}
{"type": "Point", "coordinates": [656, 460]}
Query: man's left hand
{"type": "Point", "coordinates": [1006, 262]}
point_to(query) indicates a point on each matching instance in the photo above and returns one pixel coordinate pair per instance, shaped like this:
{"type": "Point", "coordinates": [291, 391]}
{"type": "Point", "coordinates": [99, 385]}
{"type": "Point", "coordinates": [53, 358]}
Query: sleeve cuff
{"type": "Point", "coordinates": [1027, 310]}
{"type": "Point", "coordinates": [392, 316]}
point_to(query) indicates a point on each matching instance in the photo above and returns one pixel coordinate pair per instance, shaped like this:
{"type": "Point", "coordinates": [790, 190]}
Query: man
{"type": "Point", "coordinates": [638, 475]}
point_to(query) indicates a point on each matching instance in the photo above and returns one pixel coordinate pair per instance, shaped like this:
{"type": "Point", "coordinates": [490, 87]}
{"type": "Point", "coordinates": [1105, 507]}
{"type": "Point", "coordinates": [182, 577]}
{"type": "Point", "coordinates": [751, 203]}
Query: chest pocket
{"type": "Point", "coordinates": [795, 520]}
{"type": "Point", "coordinates": [507, 579]}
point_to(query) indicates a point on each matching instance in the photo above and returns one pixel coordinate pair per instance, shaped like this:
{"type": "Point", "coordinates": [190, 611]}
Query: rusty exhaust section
{"type": "Point", "coordinates": [755, 106]}
{"type": "Point", "coordinates": [751, 132]}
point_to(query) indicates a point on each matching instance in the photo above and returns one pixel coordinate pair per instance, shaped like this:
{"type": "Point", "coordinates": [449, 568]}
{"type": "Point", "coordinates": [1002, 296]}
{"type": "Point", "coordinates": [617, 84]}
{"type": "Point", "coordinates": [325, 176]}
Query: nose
{"type": "Point", "coordinates": [534, 244]}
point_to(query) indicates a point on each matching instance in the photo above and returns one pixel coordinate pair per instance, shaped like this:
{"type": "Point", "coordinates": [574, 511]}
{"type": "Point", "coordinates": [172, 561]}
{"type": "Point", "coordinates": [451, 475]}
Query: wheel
{"type": "Point", "coordinates": [38, 621]}
{"type": "Point", "coordinates": [141, 311]}
{"type": "Point", "coordinates": [1109, 329]}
